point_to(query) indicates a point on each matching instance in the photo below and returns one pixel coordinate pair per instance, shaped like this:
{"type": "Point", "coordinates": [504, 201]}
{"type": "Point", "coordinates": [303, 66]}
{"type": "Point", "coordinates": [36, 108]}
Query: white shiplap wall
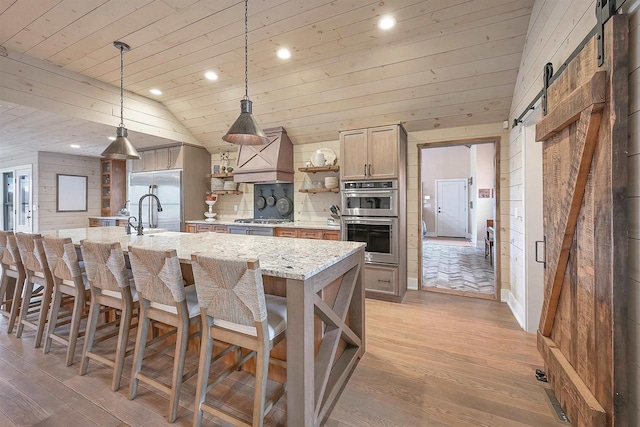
{"type": "Point", "coordinates": [555, 29]}
{"type": "Point", "coordinates": [50, 164]}
{"type": "Point", "coordinates": [307, 207]}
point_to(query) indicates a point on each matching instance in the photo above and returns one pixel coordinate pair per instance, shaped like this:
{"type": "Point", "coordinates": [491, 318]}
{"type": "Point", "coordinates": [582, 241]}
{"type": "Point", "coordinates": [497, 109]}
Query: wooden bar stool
{"type": "Point", "coordinates": [12, 271]}
{"type": "Point", "coordinates": [111, 286]}
{"type": "Point", "coordinates": [37, 274]}
{"type": "Point", "coordinates": [236, 311]}
{"type": "Point", "coordinates": [69, 280]}
{"type": "Point", "coordinates": [165, 299]}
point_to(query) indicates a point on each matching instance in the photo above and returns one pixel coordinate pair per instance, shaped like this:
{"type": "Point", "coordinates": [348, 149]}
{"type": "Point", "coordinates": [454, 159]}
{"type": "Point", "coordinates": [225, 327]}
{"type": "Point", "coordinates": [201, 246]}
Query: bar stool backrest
{"type": "Point", "coordinates": [157, 274]}
{"type": "Point", "coordinates": [9, 253]}
{"type": "Point", "coordinates": [32, 253]}
{"type": "Point", "coordinates": [230, 289]}
{"type": "Point", "coordinates": [105, 265]}
{"type": "Point", "coordinates": [62, 259]}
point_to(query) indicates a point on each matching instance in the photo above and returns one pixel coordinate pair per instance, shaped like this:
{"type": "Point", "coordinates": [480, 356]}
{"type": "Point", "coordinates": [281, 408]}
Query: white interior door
{"type": "Point", "coordinates": [24, 201]}
{"type": "Point", "coordinates": [451, 216]}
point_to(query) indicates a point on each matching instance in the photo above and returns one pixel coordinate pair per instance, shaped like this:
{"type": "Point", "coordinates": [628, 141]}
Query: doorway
{"type": "Point", "coordinates": [17, 200]}
{"type": "Point", "coordinates": [459, 213]}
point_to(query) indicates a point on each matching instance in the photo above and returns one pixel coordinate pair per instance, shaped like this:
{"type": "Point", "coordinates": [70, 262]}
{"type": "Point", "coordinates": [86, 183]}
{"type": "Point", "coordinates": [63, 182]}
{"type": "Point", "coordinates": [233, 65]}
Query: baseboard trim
{"type": "Point", "coordinates": [412, 283]}
{"type": "Point", "coordinates": [516, 308]}
{"type": "Point", "coordinates": [504, 295]}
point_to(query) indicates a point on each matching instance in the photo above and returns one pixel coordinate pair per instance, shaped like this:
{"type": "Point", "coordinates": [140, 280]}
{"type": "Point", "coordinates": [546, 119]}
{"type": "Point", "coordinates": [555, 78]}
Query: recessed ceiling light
{"type": "Point", "coordinates": [112, 138]}
{"type": "Point", "coordinates": [284, 53]}
{"type": "Point", "coordinates": [210, 75]}
{"type": "Point", "coordinates": [387, 22]}
{"type": "Point", "coordinates": [74, 146]}
{"type": "Point", "coordinates": [156, 91]}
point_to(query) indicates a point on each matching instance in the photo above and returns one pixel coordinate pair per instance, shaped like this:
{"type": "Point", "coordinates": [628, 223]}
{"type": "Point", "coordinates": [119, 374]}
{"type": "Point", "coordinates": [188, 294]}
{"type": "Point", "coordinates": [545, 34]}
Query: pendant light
{"type": "Point", "coordinates": [245, 130]}
{"type": "Point", "coordinates": [121, 148]}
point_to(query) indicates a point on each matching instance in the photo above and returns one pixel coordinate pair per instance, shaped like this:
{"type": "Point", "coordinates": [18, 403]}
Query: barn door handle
{"type": "Point", "coordinates": [544, 249]}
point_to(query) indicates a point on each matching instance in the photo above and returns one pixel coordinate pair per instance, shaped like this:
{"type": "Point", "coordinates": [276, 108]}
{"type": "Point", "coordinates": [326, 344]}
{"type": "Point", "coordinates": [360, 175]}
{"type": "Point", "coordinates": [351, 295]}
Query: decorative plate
{"type": "Point", "coordinates": [329, 156]}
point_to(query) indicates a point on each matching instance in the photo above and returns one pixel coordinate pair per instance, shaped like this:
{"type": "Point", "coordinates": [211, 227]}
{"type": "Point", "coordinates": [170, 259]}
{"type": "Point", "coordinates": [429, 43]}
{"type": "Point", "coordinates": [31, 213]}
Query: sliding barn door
{"type": "Point", "coordinates": [582, 328]}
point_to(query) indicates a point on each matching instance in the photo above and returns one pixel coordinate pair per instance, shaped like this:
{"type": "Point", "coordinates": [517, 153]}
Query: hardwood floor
{"type": "Point", "coordinates": [435, 360]}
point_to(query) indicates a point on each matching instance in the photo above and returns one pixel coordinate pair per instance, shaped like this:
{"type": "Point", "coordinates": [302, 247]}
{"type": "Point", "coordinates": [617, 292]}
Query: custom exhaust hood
{"type": "Point", "coordinates": [266, 163]}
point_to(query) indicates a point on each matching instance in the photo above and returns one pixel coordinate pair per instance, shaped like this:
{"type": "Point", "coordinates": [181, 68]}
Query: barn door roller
{"type": "Point", "coordinates": [605, 9]}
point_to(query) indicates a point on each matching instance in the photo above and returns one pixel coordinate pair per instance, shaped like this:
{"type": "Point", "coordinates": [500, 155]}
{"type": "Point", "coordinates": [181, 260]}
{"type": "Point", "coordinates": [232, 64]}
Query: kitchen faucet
{"type": "Point", "coordinates": [139, 228]}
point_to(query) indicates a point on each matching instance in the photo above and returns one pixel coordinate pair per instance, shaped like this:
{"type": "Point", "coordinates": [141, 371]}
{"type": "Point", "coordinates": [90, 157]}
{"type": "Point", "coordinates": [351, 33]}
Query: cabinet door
{"type": "Point", "coordinates": [382, 152]}
{"type": "Point", "coordinates": [331, 235]}
{"type": "Point", "coordinates": [191, 228]}
{"type": "Point", "coordinates": [286, 232]}
{"type": "Point", "coordinates": [381, 279]}
{"type": "Point", "coordinates": [204, 228]}
{"type": "Point", "coordinates": [353, 153]}
{"type": "Point", "coordinates": [137, 165]}
{"type": "Point", "coordinates": [307, 233]}
{"type": "Point", "coordinates": [261, 231]}
{"type": "Point", "coordinates": [162, 158]}
{"type": "Point", "coordinates": [220, 229]}
{"type": "Point", "coordinates": [148, 160]}
{"type": "Point", "coordinates": [175, 157]}
{"type": "Point", "coordinates": [94, 222]}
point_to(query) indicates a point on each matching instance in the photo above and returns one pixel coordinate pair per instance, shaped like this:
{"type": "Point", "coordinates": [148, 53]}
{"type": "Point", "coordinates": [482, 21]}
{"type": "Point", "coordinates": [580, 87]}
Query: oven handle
{"type": "Point", "coordinates": [370, 193]}
{"type": "Point", "coordinates": [368, 221]}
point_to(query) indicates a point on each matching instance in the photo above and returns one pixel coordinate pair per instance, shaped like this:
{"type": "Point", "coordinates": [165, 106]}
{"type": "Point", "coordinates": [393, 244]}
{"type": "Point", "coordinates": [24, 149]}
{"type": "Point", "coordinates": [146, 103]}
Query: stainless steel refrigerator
{"type": "Point", "coordinates": [166, 185]}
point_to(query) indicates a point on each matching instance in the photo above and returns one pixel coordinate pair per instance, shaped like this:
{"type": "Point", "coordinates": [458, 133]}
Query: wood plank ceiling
{"type": "Point", "coordinates": [446, 62]}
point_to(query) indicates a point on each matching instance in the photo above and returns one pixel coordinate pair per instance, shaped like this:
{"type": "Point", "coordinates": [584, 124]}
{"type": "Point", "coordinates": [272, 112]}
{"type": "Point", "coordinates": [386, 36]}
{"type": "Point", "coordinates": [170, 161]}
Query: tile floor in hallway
{"type": "Point", "coordinates": [456, 266]}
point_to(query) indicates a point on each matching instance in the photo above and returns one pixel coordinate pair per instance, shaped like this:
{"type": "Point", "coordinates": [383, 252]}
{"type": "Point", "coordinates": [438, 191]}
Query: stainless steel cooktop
{"type": "Point", "coordinates": [262, 220]}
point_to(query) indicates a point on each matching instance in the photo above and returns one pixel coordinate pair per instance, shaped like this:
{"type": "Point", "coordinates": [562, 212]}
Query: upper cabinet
{"type": "Point", "coordinates": [159, 159]}
{"type": "Point", "coordinates": [371, 153]}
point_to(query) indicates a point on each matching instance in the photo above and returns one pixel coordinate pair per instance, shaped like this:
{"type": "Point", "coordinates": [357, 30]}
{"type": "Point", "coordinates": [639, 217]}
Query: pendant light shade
{"type": "Point", "coordinates": [245, 130]}
{"type": "Point", "coordinates": [121, 148]}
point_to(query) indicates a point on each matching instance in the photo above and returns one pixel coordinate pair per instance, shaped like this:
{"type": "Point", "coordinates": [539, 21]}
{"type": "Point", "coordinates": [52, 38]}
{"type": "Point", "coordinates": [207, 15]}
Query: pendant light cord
{"type": "Point", "coordinates": [121, 86]}
{"type": "Point", "coordinates": [246, 49]}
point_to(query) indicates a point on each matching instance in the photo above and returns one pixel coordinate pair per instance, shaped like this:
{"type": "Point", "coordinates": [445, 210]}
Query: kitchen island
{"type": "Point", "coordinates": [319, 361]}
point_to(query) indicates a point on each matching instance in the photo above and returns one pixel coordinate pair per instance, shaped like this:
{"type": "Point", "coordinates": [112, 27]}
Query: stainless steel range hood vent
{"type": "Point", "coordinates": [266, 163]}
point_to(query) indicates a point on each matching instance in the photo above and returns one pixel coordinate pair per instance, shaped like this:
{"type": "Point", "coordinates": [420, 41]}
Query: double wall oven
{"type": "Point", "coordinates": [370, 215]}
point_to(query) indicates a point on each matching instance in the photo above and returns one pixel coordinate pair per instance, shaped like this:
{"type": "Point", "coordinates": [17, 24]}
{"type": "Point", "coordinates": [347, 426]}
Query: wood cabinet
{"type": "Point", "coordinates": [371, 153]}
{"type": "Point", "coordinates": [108, 222]}
{"type": "Point", "coordinates": [331, 235]}
{"type": "Point", "coordinates": [205, 228]}
{"type": "Point", "coordinates": [307, 233]}
{"type": "Point", "coordinates": [382, 279]}
{"type": "Point", "coordinates": [159, 159]}
{"type": "Point", "coordinates": [113, 186]}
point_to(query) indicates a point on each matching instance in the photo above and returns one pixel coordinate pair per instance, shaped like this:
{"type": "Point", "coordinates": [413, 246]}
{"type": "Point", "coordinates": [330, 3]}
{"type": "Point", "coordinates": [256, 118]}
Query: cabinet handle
{"type": "Point", "coordinates": [384, 281]}
{"type": "Point", "coordinates": [365, 170]}
{"type": "Point", "coordinates": [544, 248]}
{"type": "Point", "coordinates": [369, 169]}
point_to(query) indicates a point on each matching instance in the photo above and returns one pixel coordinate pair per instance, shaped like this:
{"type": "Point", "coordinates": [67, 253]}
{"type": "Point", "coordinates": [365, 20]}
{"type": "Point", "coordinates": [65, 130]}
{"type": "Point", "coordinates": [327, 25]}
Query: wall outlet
{"type": "Point", "coordinates": [235, 208]}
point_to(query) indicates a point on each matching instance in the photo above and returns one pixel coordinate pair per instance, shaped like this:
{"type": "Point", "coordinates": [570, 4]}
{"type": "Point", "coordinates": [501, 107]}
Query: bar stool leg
{"type": "Point", "coordinates": [26, 301]}
{"type": "Point", "coordinates": [17, 302]}
{"type": "Point", "coordinates": [44, 311]}
{"type": "Point", "coordinates": [53, 319]}
{"type": "Point", "coordinates": [121, 349]}
{"type": "Point", "coordinates": [138, 355]}
{"type": "Point", "coordinates": [178, 366]}
{"type": "Point", "coordinates": [262, 367]}
{"type": "Point", "coordinates": [206, 349]}
{"type": "Point", "coordinates": [92, 323]}
{"type": "Point", "coordinates": [78, 306]}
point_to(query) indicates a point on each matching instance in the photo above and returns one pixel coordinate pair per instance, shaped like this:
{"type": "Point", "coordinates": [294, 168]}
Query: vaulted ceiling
{"type": "Point", "coordinates": [446, 62]}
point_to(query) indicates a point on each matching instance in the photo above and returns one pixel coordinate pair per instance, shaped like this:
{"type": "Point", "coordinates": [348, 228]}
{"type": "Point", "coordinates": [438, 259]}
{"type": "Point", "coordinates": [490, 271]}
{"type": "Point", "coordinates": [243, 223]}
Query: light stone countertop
{"type": "Point", "coordinates": [297, 259]}
{"type": "Point", "coordinates": [296, 224]}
